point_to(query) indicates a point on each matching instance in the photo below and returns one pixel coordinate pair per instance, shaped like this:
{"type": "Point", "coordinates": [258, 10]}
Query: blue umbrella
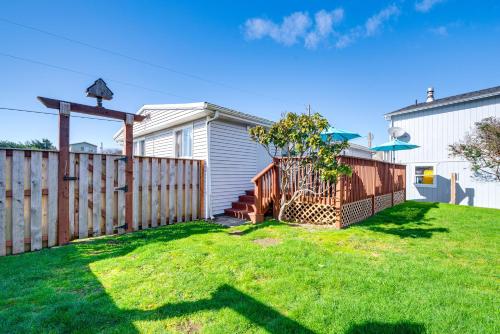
{"type": "Point", "coordinates": [395, 145]}
{"type": "Point", "coordinates": [338, 134]}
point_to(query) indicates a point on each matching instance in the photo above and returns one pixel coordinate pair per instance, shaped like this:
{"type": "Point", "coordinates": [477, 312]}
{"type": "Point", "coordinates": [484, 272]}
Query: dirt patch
{"type": "Point", "coordinates": [188, 327]}
{"type": "Point", "coordinates": [266, 242]}
{"type": "Point", "coordinates": [236, 233]}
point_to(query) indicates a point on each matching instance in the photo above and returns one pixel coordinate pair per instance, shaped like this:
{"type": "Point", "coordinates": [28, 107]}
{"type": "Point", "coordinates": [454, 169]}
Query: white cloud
{"type": "Point", "coordinates": [426, 5]}
{"type": "Point", "coordinates": [287, 33]}
{"type": "Point", "coordinates": [440, 31]}
{"type": "Point", "coordinates": [324, 22]}
{"type": "Point", "coordinates": [371, 27]}
{"type": "Point", "coordinates": [374, 23]}
{"type": "Point", "coordinates": [295, 27]}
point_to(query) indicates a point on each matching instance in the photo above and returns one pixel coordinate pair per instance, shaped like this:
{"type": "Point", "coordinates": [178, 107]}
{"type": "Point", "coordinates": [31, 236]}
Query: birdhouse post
{"type": "Point", "coordinates": [100, 91]}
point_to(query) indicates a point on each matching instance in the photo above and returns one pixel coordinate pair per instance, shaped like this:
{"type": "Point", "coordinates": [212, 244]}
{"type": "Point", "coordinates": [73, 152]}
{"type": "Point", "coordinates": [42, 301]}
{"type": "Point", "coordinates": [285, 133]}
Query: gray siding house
{"type": "Point", "coordinates": [434, 125]}
{"type": "Point", "coordinates": [208, 132]}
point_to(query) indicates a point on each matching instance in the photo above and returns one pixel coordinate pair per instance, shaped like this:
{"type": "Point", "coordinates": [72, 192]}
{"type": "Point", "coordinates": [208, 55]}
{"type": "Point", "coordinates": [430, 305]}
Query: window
{"type": "Point", "coordinates": [184, 143]}
{"type": "Point", "coordinates": [425, 176]}
{"type": "Point", "coordinates": [139, 147]}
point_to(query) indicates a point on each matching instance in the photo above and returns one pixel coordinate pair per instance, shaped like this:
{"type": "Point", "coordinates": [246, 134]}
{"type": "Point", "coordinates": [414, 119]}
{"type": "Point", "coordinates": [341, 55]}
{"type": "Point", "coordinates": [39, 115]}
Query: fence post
{"type": "Point", "coordinates": [453, 188]}
{"type": "Point", "coordinates": [129, 171]}
{"type": "Point", "coordinates": [374, 186]}
{"type": "Point", "coordinates": [341, 203]}
{"type": "Point", "coordinates": [63, 168]}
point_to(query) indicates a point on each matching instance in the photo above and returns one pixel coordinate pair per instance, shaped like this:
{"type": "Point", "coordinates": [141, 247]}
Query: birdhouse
{"type": "Point", "coordinates": [100, 91]}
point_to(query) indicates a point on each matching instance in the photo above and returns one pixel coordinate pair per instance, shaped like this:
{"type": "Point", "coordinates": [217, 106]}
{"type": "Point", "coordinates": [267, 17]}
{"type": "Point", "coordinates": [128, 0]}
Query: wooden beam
{"type": "Point", "coordinates": [90, 110]}
{"type": "Point", "coordinates": [62, 184]}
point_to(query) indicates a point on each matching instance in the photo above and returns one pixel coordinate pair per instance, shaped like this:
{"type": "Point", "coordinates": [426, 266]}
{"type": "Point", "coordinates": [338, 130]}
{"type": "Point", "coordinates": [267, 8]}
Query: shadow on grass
{"type": "Point", "coordinates": [386, 328]}
{"type": "Point", "coordinates": [407, 220]}
{"type": "Point", "coordinates": [256, 227]}
{"type": "Point", "coordinates": [54, 290]}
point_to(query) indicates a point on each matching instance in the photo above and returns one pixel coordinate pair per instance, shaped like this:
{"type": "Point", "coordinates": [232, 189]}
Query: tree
{"type": "Point", "coordinates": [482, 149]}
{"type": "Point", "coordinates": [43, 144]}
{"type": "Point", "coordinates": [297, 139]}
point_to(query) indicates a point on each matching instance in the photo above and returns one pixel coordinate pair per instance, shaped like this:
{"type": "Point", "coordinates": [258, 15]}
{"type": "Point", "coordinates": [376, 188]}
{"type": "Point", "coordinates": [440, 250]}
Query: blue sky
{"type": "Point", "coordinates": [352, 61]}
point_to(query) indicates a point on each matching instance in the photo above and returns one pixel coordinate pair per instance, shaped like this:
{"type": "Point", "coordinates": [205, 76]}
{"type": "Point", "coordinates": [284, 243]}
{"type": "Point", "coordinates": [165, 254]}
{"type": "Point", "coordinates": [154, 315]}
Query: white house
{"type": "Point", "coordinates": [208, 132]}
{"type": "Point", "coordinates": [434, 125]}
{"type": "Point", "coordinates": [83, 147]}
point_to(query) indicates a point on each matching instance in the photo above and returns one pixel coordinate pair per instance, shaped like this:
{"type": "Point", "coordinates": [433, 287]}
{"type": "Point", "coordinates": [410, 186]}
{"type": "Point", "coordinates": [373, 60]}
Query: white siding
{"type": "Point", "coordinates": [434, 130]}
{"type": "Point", "coordinates": [161, 143]}
{"type": "Point", "coordinates": [234, 160]}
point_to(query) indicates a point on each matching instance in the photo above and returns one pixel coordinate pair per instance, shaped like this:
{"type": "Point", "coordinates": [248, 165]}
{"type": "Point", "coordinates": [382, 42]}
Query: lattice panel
{"type": "Point", "coordinates": [382, 202]}
{"type": "Point", "coordinates": [356, 211]}
{"type": "Point", "coordinates": [399, 197]}
{"type": "Point", "coordinates": [311, 213]}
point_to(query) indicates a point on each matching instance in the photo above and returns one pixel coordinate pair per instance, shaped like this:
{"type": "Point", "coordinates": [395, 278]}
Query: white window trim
{"type": "Point", "coordinates": [136, 142]}
{"type": "Point", "coordinates": [180, 128]}
{"type": "Point", "coordinates": [424, 164]}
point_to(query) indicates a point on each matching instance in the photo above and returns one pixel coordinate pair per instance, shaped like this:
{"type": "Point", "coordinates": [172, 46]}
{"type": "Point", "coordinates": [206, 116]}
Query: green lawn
{"type": "Point", "coordinates": [415, 268]}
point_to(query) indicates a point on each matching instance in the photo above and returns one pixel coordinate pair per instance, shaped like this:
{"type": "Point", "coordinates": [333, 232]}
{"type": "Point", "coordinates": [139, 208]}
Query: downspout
{"type": "Point", "coordinates": [208, 193]}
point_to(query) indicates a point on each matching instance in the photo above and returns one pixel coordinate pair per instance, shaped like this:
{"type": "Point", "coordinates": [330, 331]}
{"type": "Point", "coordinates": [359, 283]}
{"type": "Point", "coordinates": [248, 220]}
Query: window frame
{"type": "Point", "coordinates": [137, 146]}
{"type": "Point", "coordinates": [434, 175]}
{"type": "Point", "coordinates": [181, 130]}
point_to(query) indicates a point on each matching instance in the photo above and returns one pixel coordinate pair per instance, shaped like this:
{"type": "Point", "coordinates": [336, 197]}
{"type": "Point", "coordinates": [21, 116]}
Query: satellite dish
{"type": "Point", "coordinates": [396, 132]}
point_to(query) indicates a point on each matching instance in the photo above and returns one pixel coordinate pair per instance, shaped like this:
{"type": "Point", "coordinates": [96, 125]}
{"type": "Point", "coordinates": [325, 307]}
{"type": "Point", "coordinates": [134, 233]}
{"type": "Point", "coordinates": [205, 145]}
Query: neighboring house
{"type": "Point", "coordinates": [83, 147]}
{"type": "Point", "coordinates": [434, 125]}
{"type": "Point", "coordinates": [360, 151]}
{"type": "Point", "coordinates": [208, 132]}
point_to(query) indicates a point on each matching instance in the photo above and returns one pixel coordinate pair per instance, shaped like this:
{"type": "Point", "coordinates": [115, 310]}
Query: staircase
{"type": "Point", "coordinates": [242, 207]}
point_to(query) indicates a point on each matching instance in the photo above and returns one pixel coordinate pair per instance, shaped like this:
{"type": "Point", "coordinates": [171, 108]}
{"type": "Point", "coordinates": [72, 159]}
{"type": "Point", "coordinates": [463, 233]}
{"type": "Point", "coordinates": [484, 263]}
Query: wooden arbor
{"type": "Point", "coordinates": [63, 179]}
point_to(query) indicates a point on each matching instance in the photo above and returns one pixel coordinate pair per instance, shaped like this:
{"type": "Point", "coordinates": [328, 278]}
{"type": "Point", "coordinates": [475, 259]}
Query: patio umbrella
{"type": "Point", "coordinates": [339, 134]}
{"type": "Point", "coordinates": [394, 145]}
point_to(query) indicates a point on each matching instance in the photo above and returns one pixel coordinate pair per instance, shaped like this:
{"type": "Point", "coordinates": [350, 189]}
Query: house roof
{"type": "Point", "coordinates": [83, 142]}
{"type": "Point", "coordinates": [204, 106]}
{"type": "Point", "coordinates": [450, 100]}
{"type": "Point", "coordinates": [360, 147]}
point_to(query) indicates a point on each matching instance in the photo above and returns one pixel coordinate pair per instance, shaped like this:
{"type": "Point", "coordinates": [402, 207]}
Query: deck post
{"type": "Point", "coordinates": [276, 190]}
{"type": "Point", "coordinates": [341, 203]}
{"type": "Point", "coordinates": [128, 151]}
{"type": "Point", "coordinates": [63, 169]}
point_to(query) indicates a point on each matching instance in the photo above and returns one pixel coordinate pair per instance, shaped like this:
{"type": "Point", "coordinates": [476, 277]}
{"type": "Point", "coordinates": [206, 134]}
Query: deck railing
{"type": "Point", "coordinates": [373, 186]}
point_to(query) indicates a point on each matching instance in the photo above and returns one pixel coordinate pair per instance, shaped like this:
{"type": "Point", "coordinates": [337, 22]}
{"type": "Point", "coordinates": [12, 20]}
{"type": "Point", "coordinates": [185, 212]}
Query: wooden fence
{"type": "Point", "coordinates": [373, 186]}
{"type": "Point", "coordinates": [165, 191]}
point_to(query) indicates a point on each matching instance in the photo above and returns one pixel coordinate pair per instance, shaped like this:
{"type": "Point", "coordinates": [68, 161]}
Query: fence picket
{"type": "Point", "coordinates": [110, 175]}
{"type": "Point", "coordinates": [36, 201]}
{"type": "Point", "coordinates": [180, 189]}
{"type": "Point", "coordinates": [121, 193]}
{"type": "Point", "coordinates": [96, 194]}
{"type": "Point", "coordinates": [52, 199]}
{"type": "Point", "coordinates": [3, 213]}
{"type": "Point", "coordinates": [187, 190]}
{"type": "Point", "coordinates": [154, 192]}
{"type": "Point", "coordinates": [17, 202]}
{"type": "Point", "coordinates": [71, 205]}
{"type": "Point", "coordinates": [172, 166]}
{"type": "Point", "coordinates": [83, 196]}
{"type": "Point", "coordinates": [195, 190]}
{"type": "Point", "coordinates": [135, 200]}
{"type": "Point", "coordinates": [145, 192]}
{"type": "Point", "coordinates": [163, 192]}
